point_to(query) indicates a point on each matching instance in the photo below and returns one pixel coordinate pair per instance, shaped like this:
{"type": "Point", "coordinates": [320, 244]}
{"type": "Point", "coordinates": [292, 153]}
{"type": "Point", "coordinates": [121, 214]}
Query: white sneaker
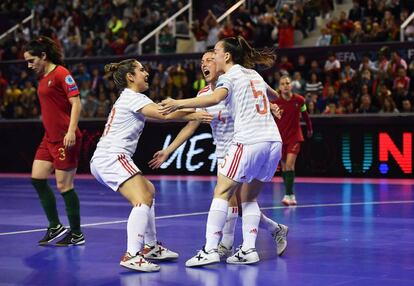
{"type": "Point", "coordinates": [224, 252]}
{"type": "Point", "coordinates": [280, 237]}
{"type": "Point", "coordinates": [249, 256]}
{"type": "Point", "coordinates": [289, 200]}
{"type": "Point", "coordinates": [138, 263]}
{"type": "Point", "coordinates": [203, 258]}
{"type": "Point", "coordinates": [293, 201]}
{"type": "Point", "coordinates": [158, 252]}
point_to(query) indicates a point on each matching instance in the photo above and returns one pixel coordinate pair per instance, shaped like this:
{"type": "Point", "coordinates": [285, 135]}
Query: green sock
{"type": "Point", "coordinates": [72, 210]}
{"type": "Point", "coordinates": [48, 200]}
{"type": "Point", "coordinates": [289, 179]}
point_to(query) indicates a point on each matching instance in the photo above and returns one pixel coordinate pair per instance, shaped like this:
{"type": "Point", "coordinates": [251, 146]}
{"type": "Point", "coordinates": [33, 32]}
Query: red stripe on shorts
{"type": "Point", "coordinates": [126, 165]}
{"type": "Point", "coordinates": [236, 161]}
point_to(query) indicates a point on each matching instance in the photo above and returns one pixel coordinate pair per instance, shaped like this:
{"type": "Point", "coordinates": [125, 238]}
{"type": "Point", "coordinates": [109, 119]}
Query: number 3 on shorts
{"type": "Point", "coordinates": [256, 94]}
{"type": "Point", "coordinates": [62, 155]}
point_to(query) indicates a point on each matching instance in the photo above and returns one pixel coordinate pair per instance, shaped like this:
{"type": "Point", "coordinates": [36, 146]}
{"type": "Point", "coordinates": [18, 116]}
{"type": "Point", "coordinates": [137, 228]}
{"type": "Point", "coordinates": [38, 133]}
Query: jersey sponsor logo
{"type": "Point", "coordinates": [69, 80]}
{"type": "Point", "coordinates": [49, 83]}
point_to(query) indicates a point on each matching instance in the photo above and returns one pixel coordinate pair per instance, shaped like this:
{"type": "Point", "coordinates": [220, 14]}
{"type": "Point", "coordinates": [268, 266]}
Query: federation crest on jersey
{"type": "Point", "coordinates": [69, 80]}
{"type": "Point", "coordinates": [49, 83]}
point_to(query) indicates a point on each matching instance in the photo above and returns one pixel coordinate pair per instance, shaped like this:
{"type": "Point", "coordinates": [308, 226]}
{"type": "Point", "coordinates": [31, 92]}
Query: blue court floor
{"type": "Point", "coordinates": [344, 232]}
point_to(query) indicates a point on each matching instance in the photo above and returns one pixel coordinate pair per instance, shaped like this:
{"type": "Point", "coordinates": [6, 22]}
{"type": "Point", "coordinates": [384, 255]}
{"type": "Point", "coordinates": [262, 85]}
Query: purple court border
{"type": "Point", "coordinates": [319, 180]}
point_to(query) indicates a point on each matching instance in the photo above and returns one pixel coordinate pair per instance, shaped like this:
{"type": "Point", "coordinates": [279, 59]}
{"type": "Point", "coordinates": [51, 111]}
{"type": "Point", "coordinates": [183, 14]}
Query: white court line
{"type": "Point", "coordinates": [204, 213]}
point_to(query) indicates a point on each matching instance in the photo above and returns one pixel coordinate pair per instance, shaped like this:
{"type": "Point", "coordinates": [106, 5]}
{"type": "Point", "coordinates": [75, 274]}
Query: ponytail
{"type": "Point", "coordinates": [243, 54]}
{"type": "Point", "coordinates": [120, 70]}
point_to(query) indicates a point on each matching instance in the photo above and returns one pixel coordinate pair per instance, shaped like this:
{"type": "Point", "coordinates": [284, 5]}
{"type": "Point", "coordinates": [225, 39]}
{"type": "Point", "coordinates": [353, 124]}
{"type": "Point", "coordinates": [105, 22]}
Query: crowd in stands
{"type": "Point", "coordinates": [381, 85]}
{"type": "Point", "coordinates": [92, 27]}
{"type": "Point", "coordinates": [368, 21]}
{"type": "Point", "coordinates": [103, 27]}
{"type": "Point", "coordinates": [114, 27]}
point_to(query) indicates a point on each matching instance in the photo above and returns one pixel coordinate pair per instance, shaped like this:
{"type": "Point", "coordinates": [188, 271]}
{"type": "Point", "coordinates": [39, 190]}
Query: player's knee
{"type": "Point", "coordinates": [39, 183]}
{"type": "Point", "coordinates": [151, 188]}
{"type": "Point", "coordinates": [63, 186]}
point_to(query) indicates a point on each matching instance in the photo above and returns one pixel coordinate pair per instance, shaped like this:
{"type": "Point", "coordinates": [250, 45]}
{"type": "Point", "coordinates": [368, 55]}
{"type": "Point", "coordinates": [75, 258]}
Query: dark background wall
{"type": "Point", "coordinates": [342, 146]}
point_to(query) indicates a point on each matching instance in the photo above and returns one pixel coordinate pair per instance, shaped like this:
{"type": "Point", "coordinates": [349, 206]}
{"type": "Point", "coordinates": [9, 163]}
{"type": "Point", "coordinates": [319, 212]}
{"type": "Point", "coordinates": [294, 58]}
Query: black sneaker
{"type": "Point", "coordinates": [72, 239]}
{"type": "Point", "coordinates": [53, 233]}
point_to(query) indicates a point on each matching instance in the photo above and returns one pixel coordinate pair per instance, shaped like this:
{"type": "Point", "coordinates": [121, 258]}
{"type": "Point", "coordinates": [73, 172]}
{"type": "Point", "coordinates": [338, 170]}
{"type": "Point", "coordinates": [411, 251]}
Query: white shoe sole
{"type": "Point", "coordinates": [142, 269]}
{"type": "Point", "coordinates": [243, 263]}
{"type": "Point", "coordinates": [202, 263]}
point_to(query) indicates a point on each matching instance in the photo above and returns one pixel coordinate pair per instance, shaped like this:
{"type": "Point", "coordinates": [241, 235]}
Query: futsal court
{"type": "Point", "coordinates": [343, 232]}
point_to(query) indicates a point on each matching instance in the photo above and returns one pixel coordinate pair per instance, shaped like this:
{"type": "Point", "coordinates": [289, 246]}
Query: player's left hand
{"type": "Point", "coordinates": [69, 140]}
{"type": "Point", "coordinates": [168, 105]}
{"type": "Point", "coordinates": [276, 111]}
{"type": "Point", "coordinates": [157, 159]}
{"type": "Point", "coordinates": [203, 116]}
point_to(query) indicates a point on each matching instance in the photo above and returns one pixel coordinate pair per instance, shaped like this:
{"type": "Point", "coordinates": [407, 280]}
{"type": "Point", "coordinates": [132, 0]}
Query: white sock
{"type": "Point", "coordinates": [215, 223]}
{"type": "Point", "coordinates": [251, 220]}
{"type": "Point", "coordinates": [269, 224]}
{"type": "Point", "coordinates": [228, 230]}
{"type": "Point", "coordinates": [151, 233]}
{"type": "Point", "coordinates": [136, 226]}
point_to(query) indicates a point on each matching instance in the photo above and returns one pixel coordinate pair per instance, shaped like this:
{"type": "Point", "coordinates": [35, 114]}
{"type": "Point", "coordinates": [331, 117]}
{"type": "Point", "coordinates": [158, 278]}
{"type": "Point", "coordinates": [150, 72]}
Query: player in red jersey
{"type": "Point", "coordinates": [60, 147]}
{"type": "Point", "coordinates": [292, 107]}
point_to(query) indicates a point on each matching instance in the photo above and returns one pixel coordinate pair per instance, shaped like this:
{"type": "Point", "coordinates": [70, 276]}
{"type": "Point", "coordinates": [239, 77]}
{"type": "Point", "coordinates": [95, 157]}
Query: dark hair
{"type": "Point", "coordinates": [45, 45]}
{"type": "Point", "coordinates": [120, 70]}
{"type": "Point", "coordinates": [208, 51]}
{"type": "Point", "coordinates": [243, 54]}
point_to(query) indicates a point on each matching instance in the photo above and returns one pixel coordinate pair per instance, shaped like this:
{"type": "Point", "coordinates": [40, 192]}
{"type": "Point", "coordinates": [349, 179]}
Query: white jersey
{"type": "Point", "coordinates": [249, 106]}
{"type": "Point", "coordinates": [124, 125]}
{"type": "Point", "coordinates": [222, 125]}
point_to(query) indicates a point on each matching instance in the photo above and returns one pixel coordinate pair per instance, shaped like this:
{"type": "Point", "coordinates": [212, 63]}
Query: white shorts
{"type": "Point", "coordinates": [220, 161]}
{"type": "Point", "coordinates": [259, 161]}
{"type": "Point", "coordinates": [113, 169]}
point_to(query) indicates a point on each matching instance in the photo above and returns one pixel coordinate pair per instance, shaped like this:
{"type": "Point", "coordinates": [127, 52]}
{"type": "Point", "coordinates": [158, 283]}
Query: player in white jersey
{"type": "Point", "coordinates": [256, 149]}
{"type": "Point", "coordinates": [112, 165]}
{"type": "Point", "coordinates": [222, 127]}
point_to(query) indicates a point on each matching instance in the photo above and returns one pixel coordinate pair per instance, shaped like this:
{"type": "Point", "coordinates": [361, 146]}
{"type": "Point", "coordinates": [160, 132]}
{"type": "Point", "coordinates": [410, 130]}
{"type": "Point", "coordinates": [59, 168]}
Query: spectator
{"type": "Point", "coordinates": [132, 48]}
{"type": "Point", "coordinates": [324, 39]}
{"type": "Point", "coordinates": [401, 80]}
{"type": "Point", "coordinates": [285, 66]}
{"type": "Point", "coordinates": [90, 105]}
{"type": "Point", "coordinates": [311, 107]}
{"type": "Point", "coordinates": [366, 105]}
{"type": "Point", "coordinates": [3, 86]}
{"type": "Point", "coordinates": [314, 86]}
{"type": "Point", "coordinates": [388, 106]}
{"type": "Point", "coordinates": [302, 66]}
{"type": "Point", "coordinates": [332, 66]}
{"type": "Point", "coordinates": [212, 26]}
{"type": "Point", "coordinates": [200, 34]}
{"type": "Point", "coordinates": [298, 84]}
{"type": "Point", "coordinates": [286, 34]}
{"type": "Point", "coordinates": [406, 106]}
{"type": "Point", "coordinates": [355, 14]}
{"type": "Point", "coordinates": [167, 41]}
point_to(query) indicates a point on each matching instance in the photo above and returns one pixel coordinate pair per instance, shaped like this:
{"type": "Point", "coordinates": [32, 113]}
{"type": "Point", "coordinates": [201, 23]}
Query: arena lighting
{"type": "Point", "coordinates": [387, 147]}
{"type": "Point", "coordinates": [350, 166]}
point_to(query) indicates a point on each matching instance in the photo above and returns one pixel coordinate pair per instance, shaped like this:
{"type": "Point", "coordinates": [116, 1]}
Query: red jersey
{"type": "Point", "coordinates": [54, 91]}
{"type": "Point", "coordinates": [289, 123]}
